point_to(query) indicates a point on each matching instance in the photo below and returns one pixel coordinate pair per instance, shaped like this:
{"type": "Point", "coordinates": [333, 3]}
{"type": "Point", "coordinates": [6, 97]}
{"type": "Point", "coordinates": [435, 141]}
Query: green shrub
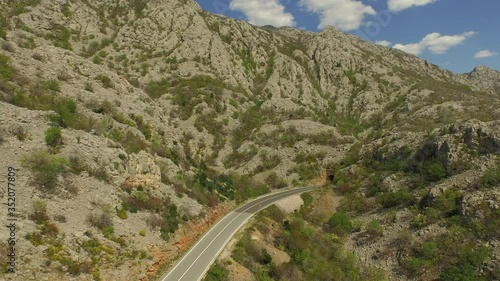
{"type": "Point", "coordinates": [105, 107]}
{"type": "Point", "coordinates": [375, 274]}
{"type": "Point", "coordinates": [217, 273]}
{"type": "Point", "coordinates": [420, 221]}
{"type": "Point", "coordinates": [340, 223]}
{"type": "Point", "coordinates": [171, 219]}
{"type": "Point", "coordinates": [3, 27]}
{"type": "Point", "coordinates": [402, 197]}
{"type": "Point", "coordinates": [53, 136]}
{"type": "Point", "coordinates": [46, 168]}
{"type": "Point", "coordinates": [121, 213]}
{"type": "Point", "coordinates": [6, 71]}
{"type": "Point", "coordinates": [21, 7]}
{"type": "Point", "coordinates": [375, 228]}
{"type": "Point", "coordinates": [97, 60]}
{"type": "Point", "coordinates": [35, 238]}
{"type": "Point", "coordinates": [308, 199]}
{"type": "Point", "coordinates": [425, 256]}
{"type": "Point", "coordinates": [132, 143]}
{"type": "Point", "coordinates": [353, 201]}
{"type": "Point", "coordinates": [308, 171]}
{"type": "Point", "coordinates": [141, 200]}
{"type": "Point", "coordinates": [275, 182]}
{"type": "Point", "coordinates": [65, 113]}
{"type": "Point", "coordinates": [49, 229]}
{"type": "Point", "coordinates": [60, 37]}
{"type": "Point", "coordinates": [108, 231]}
{"type": "Point", "coordinates": [462, 273]}
{"type": "Point", "coordinates": [155, 89]}
{"type": "Point", "coordinates": [490, 178]}
{"type": "Point", "coordinates": [52, 85]}
{"type": "Point", "coordinates": [139, 6]}
{"type": "Point", "coordinates": [39, 212]}
{"type": "Point", "coordinates": [105, 80]}
{"type": "Point", "coordinates": [434, 170]}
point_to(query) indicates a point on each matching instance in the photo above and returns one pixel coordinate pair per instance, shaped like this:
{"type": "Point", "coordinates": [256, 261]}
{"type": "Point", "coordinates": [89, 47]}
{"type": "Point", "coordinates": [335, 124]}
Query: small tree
{"type": "Point", "coordinates": [53, 136]}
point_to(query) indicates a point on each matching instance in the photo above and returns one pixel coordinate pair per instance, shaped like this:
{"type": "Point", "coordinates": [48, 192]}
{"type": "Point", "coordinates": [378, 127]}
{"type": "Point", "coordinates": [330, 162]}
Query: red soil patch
{"type": "Point", "coordinates": [183, 241]}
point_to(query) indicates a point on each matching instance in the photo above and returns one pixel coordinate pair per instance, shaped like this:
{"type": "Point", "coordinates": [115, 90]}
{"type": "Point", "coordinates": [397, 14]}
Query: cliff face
{"type": "Point", "coordinates": [160, 103]}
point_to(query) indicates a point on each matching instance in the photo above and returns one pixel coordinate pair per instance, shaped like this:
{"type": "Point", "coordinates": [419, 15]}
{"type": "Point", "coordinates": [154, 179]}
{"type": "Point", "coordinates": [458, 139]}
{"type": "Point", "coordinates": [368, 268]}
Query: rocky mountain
{"type": "Point", "coordinates": [133, 125]}
{"type": "Point", "coordinates": [487, 77]}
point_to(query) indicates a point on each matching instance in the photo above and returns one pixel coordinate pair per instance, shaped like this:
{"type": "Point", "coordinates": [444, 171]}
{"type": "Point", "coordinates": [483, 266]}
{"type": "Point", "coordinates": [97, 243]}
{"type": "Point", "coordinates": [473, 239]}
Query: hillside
{"type": "Point", "coordinates": [133, 125]}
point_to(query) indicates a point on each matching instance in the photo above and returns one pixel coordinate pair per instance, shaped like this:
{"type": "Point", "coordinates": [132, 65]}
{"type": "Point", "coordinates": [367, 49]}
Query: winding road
{"type": "Point", "coordinates": [196, 262]}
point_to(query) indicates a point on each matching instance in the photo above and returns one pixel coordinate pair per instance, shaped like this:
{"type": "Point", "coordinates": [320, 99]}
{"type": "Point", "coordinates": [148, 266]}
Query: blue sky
{"type": "Point", "coordinates": [454, 34]}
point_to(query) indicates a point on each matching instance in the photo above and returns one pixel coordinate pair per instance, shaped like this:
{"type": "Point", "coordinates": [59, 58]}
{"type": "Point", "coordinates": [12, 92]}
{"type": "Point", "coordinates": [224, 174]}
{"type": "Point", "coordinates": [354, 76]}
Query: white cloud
{"type": "Point", "coordinates": [415, 48]}
{"type": "Point", "coordinates": [484, 54]}
{"type": "Point", "coordinates": [344, 14]}
{"type": "Point", "coordinates": [434, 42]}
{"type": "Point", "coordinates": [399, 5]}
{"type": "Point", "coordinates": [384, 43]}
{"type": "Point", "coordinates": [263, 12]}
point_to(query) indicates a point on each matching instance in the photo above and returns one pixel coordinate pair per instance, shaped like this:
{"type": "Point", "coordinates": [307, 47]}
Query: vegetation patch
{"type": "Point", "coordinates": [46, 168]}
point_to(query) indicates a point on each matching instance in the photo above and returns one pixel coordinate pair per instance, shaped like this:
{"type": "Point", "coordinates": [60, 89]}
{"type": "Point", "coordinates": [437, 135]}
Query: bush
{"type": "Point", "coordinates": [60, 37]}
{"type": "Point", "coordinates": [53, 136]}
{"type": "Point", "coordinates": [101, 220]}
{"type": "Point", "coordinates": [374, 228]}
{"type": "Point", "coordinates": [490, 178]}
{"type": "Point", "coordinates": [375, 274]}
{"type": "Point", "coordinates": [121, 213]}
{"type": "Point", "coordinates": [308, 199]}
{"type": "Point", "coordinates": [39, 213]}
{"type": "Point", "coordinates": [49, 229]}
{"type": "Point", "coordinates": [52, 85]}
{"type": "Point", "coordinates": [35, 238]}
{"type": "Point", "coordinates": [308, 171]}
{"type": "Point", "coordinates": [462, 273]}
{"type": "Point", "coordinates": [394, 199]}
{"type": "Point", "coordinates": [65, 113]}
{"type": "Point", "coordinates": [275, 182]}
{"type": "Point", "coordinates": [6, 71]}
{"type": "Point", "coordinates": [46, 168]}
{"type": "Point", "coordinates": [340, 224]}
{"type": "Point", "coordinates": [266, 258]}
{"type": "Point", "coordinates": [105, 80]}
{"type": "Point", "coordinates": [140, 200]}
{"type": "Point", "coordinates": [434, 170]}
{"type": "Point", "coordinates": [217, 273]}
{"type": "Point", "coordinates": [3, 24]}
{"type": "Point", "coordinates": [171, 220]}
{"type": "Point", "coordinates": [132, 143]}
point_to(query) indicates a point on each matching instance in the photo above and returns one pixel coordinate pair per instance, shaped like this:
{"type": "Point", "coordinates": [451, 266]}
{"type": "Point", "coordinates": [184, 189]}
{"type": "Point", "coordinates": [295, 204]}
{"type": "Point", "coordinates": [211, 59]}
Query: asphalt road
{"type": "Point", "coordinates": [197, 261]}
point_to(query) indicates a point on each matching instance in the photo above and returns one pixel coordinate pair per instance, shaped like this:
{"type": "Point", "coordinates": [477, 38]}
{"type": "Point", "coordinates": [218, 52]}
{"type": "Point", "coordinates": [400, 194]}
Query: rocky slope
{"type": "Point", "coordinates": [486, 77]}
{"type": "Point", "coordinates": [134, 119]}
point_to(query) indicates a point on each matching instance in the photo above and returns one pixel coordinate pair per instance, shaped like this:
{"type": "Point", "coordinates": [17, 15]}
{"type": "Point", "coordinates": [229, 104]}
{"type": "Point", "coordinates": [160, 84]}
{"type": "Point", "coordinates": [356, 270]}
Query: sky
{"type": "Point", "coordinates": [454, 34]}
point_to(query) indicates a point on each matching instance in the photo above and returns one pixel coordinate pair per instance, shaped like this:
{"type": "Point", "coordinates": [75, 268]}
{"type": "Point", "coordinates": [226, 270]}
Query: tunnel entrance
{"type": "Point", "coordinates": [330, 175]}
